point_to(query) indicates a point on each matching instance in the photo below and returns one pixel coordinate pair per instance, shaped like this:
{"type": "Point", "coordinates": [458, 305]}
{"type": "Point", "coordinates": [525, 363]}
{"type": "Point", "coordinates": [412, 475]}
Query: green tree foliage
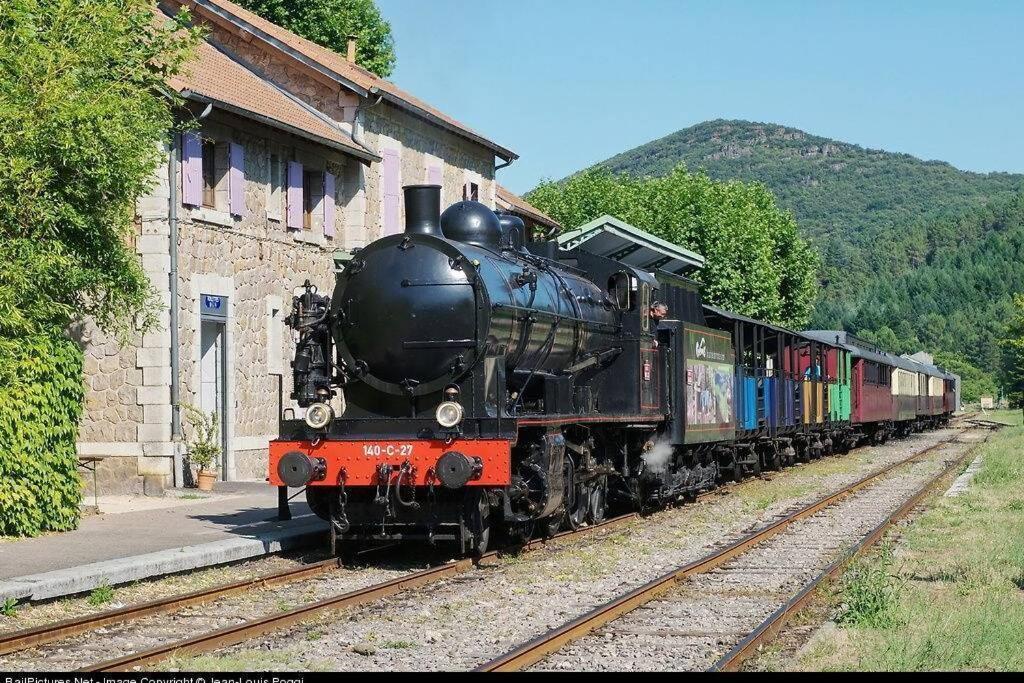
{"type": "Point", "coordinates": [885, 338]}
{"type": "Point", "coordinates": [916, 253]}
{"type": "Point", "coordinates": [83, 112]}
{"type": "Point", "coordinates": [974, 383]}
{"type": "Point", "coordinates": [330, 22]}
{"type": "Point", "coordinates": [956, 302]}
{"type": "Point", "coordinates": [756, 264]}
{"type": "Point", "coordinates": [1012, 346]}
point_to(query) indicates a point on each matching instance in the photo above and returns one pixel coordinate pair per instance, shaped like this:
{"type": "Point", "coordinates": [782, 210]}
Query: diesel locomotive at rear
{"type": "Point", "coordinates": [458, 380]}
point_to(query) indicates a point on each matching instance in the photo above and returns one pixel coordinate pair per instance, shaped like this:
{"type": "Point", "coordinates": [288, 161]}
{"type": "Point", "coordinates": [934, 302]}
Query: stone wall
{"type": "Point", "coordinates": [126, 413]}
{"type": "Point", "coordinates": [421, 144]}
{"type": "Point", "coordinates": [255, 261]}
{"type": "Point", "coordinates": [386, 126]}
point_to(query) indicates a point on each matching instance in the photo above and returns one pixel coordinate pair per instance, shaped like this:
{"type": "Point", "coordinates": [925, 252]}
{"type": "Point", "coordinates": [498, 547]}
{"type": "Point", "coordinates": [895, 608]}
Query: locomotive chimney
{"type": "Point", "coordinates": [423, 209]}
{"type": "Point", "coordinates": [351, 56]}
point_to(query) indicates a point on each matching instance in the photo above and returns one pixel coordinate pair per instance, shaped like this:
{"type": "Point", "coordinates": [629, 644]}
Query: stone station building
{"type": "Point", "coordinates": [295, 157]}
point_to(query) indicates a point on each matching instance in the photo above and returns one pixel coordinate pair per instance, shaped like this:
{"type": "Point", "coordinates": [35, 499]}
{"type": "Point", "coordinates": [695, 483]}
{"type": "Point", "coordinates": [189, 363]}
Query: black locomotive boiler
{"type": "Point", "coordinates": [457, 380]}
{"type": "Point", "coordinates": [454, 379]}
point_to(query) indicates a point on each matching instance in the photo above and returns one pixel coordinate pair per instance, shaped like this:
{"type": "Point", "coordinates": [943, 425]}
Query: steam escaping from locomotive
{"type": "Point", "coordinates": [658, 456]}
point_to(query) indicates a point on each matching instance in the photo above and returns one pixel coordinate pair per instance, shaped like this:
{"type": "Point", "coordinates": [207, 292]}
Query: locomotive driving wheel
{"type": "Point", "coordinates": [598, 500]}
{"type": "Point", "coordinates": [577, 498]}
{"type": "Point", "coordinates": [477, 522]}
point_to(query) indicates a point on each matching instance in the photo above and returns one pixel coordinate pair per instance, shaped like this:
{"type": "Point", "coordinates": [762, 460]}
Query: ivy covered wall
{"type": "Point", "coordinates": [40, 402]}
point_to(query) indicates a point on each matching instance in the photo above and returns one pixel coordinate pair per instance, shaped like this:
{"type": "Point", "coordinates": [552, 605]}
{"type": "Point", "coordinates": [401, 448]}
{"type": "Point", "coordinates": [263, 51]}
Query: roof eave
{"type": "Point", "coordinates": [540, 219]}
{"type": "Point", "coordinates": [355, 151]}
{"type": "Point", "coordinates": [499, 151]}
{"type": "Point", "coordinates": [654, 239]}
{"type": "Point", "coordinates": [523, 209]}
{"type": "Point", "coordinates": [626, 231]}
{"type": "Point", "coordinates": [242, 24]}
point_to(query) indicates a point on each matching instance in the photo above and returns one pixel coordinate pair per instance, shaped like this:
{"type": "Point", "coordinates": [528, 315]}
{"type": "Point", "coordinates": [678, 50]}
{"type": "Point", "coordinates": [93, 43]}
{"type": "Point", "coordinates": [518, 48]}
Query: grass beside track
{"type": "Point", "coordinates": [950, 594]}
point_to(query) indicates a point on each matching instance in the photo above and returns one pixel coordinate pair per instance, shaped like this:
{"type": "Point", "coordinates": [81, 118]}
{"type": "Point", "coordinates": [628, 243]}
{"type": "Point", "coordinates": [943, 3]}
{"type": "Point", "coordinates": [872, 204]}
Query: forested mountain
{"type": "Point", "coordinates": [916, 253]}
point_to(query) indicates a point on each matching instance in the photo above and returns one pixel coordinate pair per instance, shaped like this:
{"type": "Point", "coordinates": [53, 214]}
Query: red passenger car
{"type": "Point", "coordinates": [872, 391]}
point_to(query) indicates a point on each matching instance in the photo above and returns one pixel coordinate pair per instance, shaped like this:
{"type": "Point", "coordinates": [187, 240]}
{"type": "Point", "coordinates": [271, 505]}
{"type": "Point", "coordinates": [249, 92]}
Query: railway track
{"type": "Point", "coordinates": [251, 628]}
{"type": "Point", "coordinates": [40, 635]}
{"type": "Point", "coordinates": [740, 595]}
{"type": "Point", "coordinates": [50, 633]}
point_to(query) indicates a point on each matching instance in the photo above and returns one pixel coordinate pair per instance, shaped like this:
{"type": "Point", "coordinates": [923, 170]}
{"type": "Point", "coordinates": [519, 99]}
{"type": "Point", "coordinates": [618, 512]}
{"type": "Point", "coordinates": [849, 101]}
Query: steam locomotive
{"type": "Point", "coordinates": [458, 380]}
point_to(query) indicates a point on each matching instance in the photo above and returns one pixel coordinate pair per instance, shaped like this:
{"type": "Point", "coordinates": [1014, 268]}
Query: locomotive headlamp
{"type": "Point", "coordinates": [449, 414]}
{"type": "Point", "coordinates": [319, 415]}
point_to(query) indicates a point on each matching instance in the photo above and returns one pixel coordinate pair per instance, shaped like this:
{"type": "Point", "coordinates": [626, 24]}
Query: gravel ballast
{"type": "Point", "coordinates": [465, 621]}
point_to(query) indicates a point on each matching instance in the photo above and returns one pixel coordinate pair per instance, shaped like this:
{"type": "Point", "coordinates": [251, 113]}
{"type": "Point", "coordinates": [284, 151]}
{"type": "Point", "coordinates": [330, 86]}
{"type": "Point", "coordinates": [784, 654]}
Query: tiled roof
{"type": "Point", "coordinates": [355, 76]}
{"type": "Point", "coordinates": [213, 76]}
{"type": "Point", "coordinates": [519, 205]}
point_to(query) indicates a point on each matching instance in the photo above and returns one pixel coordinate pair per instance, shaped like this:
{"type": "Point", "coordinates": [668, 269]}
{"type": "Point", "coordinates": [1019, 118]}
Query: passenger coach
{"type": "Point", "coordinates": [892, 394]}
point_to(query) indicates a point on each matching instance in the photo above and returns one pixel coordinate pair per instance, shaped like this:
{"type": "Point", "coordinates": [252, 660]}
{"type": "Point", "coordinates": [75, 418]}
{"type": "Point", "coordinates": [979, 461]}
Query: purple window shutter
{"type": "Point", "coordinates": [329, 204]}
{"type": "Point", "coordinates": [191, 169]}
{"type": "Point", "coordinates": [236, 178]}
{"type": "Point", "coordinates": [391, 191]}
{"type": "Point", "coordinates": [434, 175]}
{"type": "Point", "coordinates": [294, 218]}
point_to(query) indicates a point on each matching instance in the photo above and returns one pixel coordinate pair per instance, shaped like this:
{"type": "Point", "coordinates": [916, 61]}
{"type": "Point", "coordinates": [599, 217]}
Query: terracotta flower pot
{"type": "Point", "coordinates": [206, 479]}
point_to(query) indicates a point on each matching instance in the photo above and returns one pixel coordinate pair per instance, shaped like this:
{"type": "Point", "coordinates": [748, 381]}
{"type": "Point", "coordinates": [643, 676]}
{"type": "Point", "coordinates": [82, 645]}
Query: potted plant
{"type": "Point", "coordinates": [203, 447]}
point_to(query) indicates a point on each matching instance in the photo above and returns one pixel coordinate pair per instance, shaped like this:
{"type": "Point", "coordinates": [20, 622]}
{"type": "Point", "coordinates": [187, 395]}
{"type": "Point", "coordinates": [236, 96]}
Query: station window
{"type": "Point", "coordinates": [209, 173]}
{"type": "Point", "coordinates": [276, 187]}
{"type": "Point", "coordinates": [312, 194]}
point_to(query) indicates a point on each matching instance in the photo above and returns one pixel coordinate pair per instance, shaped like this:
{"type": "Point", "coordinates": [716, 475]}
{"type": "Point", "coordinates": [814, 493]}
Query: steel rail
{"type": "Point", "coordinates": [554, 640]}
{"type": "Point", "coordinates": [39, 635]}
{"type": "Point", "coordinates": [771, 626]}
{"type": "Point", "coordinates": [15, 641]}
{"type": "Point", "coordinates": [232, 635]}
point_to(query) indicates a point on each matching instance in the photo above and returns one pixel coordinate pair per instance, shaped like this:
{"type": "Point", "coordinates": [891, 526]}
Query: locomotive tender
{"type": "Point", "coordinates": [458, 379]}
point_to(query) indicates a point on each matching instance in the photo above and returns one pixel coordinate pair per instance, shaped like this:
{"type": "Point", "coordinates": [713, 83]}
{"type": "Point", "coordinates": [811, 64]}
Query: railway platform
{"type": "Point", "coordinates": [128, 544]}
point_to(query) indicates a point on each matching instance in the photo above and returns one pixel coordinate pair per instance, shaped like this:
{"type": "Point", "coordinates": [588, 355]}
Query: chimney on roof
{"type": "Point", "coordinates": [351, 48]}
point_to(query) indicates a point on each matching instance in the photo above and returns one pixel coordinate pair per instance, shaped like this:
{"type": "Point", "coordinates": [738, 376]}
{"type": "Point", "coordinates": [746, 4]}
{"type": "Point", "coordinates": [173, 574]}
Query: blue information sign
{"type": "Point", "coordinates": [214, 307]}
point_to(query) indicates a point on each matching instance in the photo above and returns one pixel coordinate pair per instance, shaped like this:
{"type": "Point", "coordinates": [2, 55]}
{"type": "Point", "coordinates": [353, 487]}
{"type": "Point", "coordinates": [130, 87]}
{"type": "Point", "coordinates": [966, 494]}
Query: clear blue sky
{"type": "Point", "coordinates": [566, 83]}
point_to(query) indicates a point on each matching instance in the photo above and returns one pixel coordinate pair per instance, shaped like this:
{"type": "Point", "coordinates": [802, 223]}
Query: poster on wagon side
{"type": "Point", "coordinates": [710, 385]}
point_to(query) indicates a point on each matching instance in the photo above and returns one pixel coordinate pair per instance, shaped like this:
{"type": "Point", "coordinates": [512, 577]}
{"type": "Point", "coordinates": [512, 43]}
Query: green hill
{"type": "Point", "coordinates": [918, 253]}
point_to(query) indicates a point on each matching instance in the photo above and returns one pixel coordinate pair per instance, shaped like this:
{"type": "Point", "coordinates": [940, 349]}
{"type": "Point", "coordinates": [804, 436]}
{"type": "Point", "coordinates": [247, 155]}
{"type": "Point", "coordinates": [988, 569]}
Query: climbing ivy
{"type": "Point", "coordinates": [40, 403]}
{"type": "Point", "coordinates": [84, 111]}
